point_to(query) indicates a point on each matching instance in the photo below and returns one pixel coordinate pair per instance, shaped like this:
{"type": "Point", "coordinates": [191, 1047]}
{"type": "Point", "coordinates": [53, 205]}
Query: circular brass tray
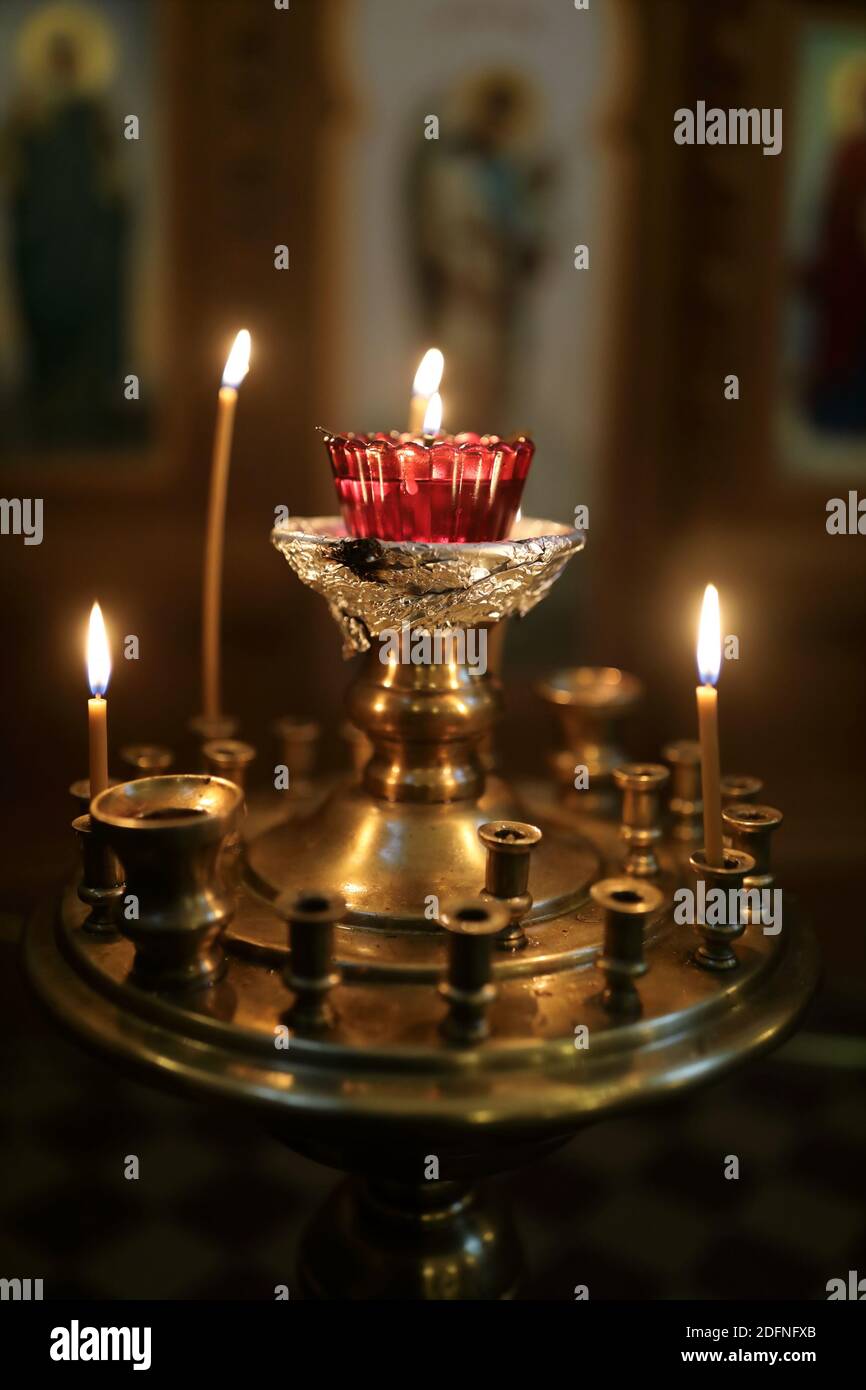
{"type": "Point", "coordinates": [385, 1068]}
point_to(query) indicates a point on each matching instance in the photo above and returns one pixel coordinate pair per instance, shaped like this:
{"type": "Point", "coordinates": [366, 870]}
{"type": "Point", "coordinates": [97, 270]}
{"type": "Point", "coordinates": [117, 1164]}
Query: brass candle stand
{"type": "Point", "coordinates": [425, 976]}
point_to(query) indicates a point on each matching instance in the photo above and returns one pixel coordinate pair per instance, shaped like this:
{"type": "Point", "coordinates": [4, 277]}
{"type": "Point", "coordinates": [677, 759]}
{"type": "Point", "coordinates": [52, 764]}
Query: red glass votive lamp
{"type": "Point", "coordinates": [397, 487]}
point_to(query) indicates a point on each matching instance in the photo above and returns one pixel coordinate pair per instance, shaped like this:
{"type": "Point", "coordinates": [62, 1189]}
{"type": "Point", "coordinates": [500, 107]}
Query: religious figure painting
{"type": "Point", "coordinates": [472, 189]}
{"type": "Point", "coordinates": [78, 228]}
{"type": "Point", "coordinates": [822, 417]}
{"type": "Point", "coordinates": [478, 209]}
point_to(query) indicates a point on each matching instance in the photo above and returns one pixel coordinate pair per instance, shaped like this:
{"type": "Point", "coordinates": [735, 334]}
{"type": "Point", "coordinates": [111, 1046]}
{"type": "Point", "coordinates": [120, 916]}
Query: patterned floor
{"type": "Point", "coordinates": [633, 1208]}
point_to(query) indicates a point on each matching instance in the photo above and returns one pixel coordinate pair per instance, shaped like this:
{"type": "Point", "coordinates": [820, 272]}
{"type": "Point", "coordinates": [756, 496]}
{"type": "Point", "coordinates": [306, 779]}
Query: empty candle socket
{"type": "Point", "coordinates": [167, 833]}
{"type": "Point", "coordinates": [101, 886]}
{"type": "Point", "coordinates": [627, 904]}
{"type": "Point", "coordinates": [752, 828]}
{"type": "Point", "coordinates": [717, 937]}
{"type": "Point", "coordinates": [591, 704]}
{"type": "Point", "coordinates": [641, 785]}
{"type": "Point", "coordinates": [685, 804]}
{"type": "Point", "coordinates": [229, 758]}
{"type": "Point", "coordinates": [146, 759]}
{"type": "Point", "coordinates": [472, 924]}
{"type": "Point", "coordinates": [298, 746]}
{"type": "Point", "coordinates": [311, 916]}
{"type": "Point", "coordinates": [509, 846]}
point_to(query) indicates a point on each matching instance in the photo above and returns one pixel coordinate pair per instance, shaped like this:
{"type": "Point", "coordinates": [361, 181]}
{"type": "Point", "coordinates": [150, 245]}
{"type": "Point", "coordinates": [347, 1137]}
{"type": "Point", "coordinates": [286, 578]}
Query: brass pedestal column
{"type": "Point", "coordinates": [379, 1239]}
{"type": "Point", "coordinates": [408, 831]}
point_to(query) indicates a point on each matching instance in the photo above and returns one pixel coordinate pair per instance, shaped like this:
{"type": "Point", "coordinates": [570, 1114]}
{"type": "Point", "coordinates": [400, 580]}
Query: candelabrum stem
{"type": "Point", "coordinates": [426, 723]}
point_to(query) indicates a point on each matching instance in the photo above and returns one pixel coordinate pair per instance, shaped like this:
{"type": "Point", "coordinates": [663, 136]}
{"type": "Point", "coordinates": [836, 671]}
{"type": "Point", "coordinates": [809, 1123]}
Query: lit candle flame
{"type": "Point", "coordinates": [238, 360]}
{"type": "Point", "coordinates": [429, 373]}
{"type": "Point", "coordinates": [433, 415]}
{"type": "Point", "coordinates": [98, 657]}
{"type": "Point", "coordinates": [710, 637]}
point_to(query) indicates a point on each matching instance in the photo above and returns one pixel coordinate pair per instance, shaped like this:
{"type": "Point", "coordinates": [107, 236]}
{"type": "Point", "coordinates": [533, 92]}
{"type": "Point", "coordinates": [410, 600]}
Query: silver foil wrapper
{"type": "Point", "coordinates": [374, 586]}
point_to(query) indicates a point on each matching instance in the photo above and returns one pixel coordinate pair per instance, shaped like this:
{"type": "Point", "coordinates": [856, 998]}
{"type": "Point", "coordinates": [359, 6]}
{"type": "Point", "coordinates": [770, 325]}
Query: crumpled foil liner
{"type": "Point", "coordinates": [372, 586]}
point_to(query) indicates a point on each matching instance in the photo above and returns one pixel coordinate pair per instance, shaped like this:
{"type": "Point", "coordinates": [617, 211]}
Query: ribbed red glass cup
{"type": "Point", "coordinates": [396, 487]}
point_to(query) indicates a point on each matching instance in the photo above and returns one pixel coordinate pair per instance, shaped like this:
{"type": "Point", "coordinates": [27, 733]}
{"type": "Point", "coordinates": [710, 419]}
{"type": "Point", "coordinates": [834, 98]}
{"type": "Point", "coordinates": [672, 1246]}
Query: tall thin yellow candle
{"type": "Point", "coordinates": [236, 368]}
{"type": "Point", "coordinates": [709, 666]}
{"type": "Point", "coordinates": [98, 672]}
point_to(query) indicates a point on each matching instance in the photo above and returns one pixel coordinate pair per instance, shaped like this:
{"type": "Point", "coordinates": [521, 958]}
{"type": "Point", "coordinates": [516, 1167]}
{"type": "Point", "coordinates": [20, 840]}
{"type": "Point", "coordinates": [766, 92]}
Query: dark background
{"type": "Point", "coordinates": [689, 487]}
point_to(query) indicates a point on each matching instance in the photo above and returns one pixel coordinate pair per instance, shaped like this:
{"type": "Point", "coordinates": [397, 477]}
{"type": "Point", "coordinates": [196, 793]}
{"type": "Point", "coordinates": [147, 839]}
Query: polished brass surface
{"type": "Point", "coordinates": [425, 724]}
{"type": "Point", "coordinates": [509, 846]}
{"type": "Point", "coordinates": [590, 704]}
{"type": "Point", "coordinates": [641, 785]}
{"type": "Point", "coordinates": [389, 858]}
{"type": "Point", "coordinates": [167, 833]}
{"type": "Point", "coordinates": [627, 903]}
{"type": "Point", "coordinates": [101, 886]}
{"type": "Point", "coordinates": [751, 828]}
{"type": "Point", "coordinates": [382, 1090]}
{"type": "Point", "coordinates": [229, 758]}
{"type": "Point", "coordinates": [526, 1074]}
{"type": "Point", "coordinates": [716, 950]}
{"type": "Point", "coordinates": [468, 988]}
{"type": "Point", "coordinates": [685, 804]}
{"type": "Point", "coordinates": [310, 974]}
{"type": "Point", "coordinates": [408, 832]}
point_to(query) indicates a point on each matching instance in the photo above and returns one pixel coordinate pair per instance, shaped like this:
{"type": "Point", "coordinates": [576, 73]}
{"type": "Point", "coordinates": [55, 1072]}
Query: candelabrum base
{"type": "Point", "coordinates": [382, 1092]}
{"type": "Point", "coordinates": [392, 862]}
{"type": "Point", "coordinates": [440, 1241]}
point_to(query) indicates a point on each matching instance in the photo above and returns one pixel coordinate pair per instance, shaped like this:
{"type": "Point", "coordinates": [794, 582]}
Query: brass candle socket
{"type": "Point", "coordinates": [310, 974]}
{"type": "Point", "coordinates": [590, 704]}
{"type": "Point", "coordinates": [101, 886]}
{"type": "Point", "coordinates": [167, 833]}
{"type": "Point", "coordinates": [509, 846]}
{"type": "Point", "coordinates": [716, 949]}
{"type": "Point", "coordinates": [79, 790]}
{"type": "Point", "coordinates": [627, 904]}
{"type": "Point", "coordinates": [751, 828]}
{"type": "Point", "coordinates": [685, 804]}
{"type": "Point", "coordinates": [229, 758]}
{"type": "Point", "coordinates": [146, 759]}
{"type": "Point", "coordinates": [298, 747]}
{"type": "Point", "coordinates": [641, 785]}
{"type": "Point", "coordinates": [735, 787]}
{"type": "Point", "coordinates": [472, 924]}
